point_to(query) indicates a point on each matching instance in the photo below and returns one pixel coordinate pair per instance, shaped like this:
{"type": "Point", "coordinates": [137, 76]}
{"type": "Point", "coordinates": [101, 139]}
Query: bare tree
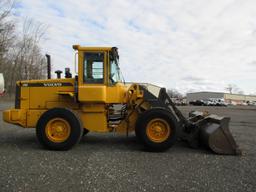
{"type": "Point", "coordinates": [21, 56]}
{"type": "Point", "coordinates": [234, 89]}
{"type": "Point", "coordinates": [173, 93]}
{"type": "Point", "coordinates": [29, 52]}
{"type": "Point", "coordinates": [229, 88]}
{"type": "Point", "coordinates": [28, 61]}
{"type": "Point", "coordinates": [6, 7]}
{"type": "Point", "coordinates": [6, 30]}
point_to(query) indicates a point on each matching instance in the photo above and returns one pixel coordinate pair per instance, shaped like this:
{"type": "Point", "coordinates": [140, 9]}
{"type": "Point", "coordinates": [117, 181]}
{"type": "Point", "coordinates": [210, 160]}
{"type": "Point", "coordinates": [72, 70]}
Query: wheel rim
{"type": "Point", "coordinates": [158, 130]}
{"type": "Point", "coordinates": [57, 130]}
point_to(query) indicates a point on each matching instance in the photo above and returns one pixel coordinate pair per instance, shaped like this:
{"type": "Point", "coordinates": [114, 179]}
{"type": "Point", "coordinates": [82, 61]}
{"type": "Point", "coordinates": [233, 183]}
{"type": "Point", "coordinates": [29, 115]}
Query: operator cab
{"type": "Point", "coordinates": [94, 67]}
{"type": "Point", "coordinates": [99, 75]}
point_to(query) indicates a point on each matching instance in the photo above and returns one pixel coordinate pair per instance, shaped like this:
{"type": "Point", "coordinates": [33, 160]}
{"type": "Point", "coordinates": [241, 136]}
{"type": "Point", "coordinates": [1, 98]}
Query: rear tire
{"type": "Point", "coordinates": [156, 129]}
{"type": "Point", "coordinates": [59, 129]}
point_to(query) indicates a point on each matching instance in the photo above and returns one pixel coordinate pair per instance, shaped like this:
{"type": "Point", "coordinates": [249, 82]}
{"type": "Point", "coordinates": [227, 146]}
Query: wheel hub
{"type": "Point", "coordinates": [158, 130]}
{"type": "Point", "coordinates": [57, 130]}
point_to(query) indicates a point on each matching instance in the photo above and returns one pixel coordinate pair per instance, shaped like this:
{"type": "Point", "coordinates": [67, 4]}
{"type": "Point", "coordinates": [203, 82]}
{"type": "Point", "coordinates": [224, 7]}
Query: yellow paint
{"type": "Point", "coordinates": [71, 94]}
{"type": "Point", "coordinates": [158, 130]}
{"type": "Point", "coordinates": [92, 103]}
{"type": "Point", "coordinates": [33, 116]}
{"type": "Point", "coordinates": [57, 130]}
{"type": "Point", "coordinates": [15, 116]}
{"type": "Point", "coordinates": [92, 93]}
{"type": "Point", "coordinates": [24, 98]}
{"type": "Point", "coordinates": [66, 104]}
{"type": "Point", "coordinates": [94, 117]}
{"type": "Point", "coordinates": [127, 124]}
{"type": "Point", "coordinates": [116, 93]}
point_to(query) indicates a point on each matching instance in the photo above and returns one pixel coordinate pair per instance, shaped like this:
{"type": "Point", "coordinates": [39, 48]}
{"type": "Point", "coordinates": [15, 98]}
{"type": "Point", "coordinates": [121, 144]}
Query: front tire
{"type": "Point", "coordinates": [156, 129]}
{"type": "Point", "coordinates": [59, 129]}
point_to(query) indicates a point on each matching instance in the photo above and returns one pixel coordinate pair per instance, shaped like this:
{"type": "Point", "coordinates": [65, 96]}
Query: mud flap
{"type": "Point", "coordinates": [214, 133]}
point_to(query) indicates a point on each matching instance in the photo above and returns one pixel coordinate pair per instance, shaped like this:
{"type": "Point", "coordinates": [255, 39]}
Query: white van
{"type": "Point", "coordinates": [1, 84]}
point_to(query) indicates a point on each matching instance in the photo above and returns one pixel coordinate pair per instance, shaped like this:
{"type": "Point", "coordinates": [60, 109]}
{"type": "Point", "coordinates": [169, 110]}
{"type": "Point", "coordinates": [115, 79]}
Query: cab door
{"type": "Point", "coordinates": [92, 76]}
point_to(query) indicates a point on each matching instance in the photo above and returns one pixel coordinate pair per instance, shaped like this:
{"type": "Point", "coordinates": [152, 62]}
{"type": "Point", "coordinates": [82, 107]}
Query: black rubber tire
{"type": "Point", "coordinates": [145, 118]}
{"type": "Point", "coordinates": [85, 131]}
{"type": "Point", "coordinates": [70, 117]}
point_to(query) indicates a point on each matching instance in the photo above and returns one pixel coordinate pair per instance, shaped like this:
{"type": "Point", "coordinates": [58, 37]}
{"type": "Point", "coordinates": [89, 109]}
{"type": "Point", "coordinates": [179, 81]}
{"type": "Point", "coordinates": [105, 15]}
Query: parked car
{"type": "Point", "coordinates": [220, 102]}
{"type": "Point", "coordinates": [251, 103]}
{"type": "Point", "coordinates": [217, 102]}
{"type": "Point", "coordinates": [197, 103]}
{"type": "Point", "coordinates": [243, 103]}
{"type": "Point", "coordinates": [178, 102]}
{"type": "Point", "coordinates": [2, 90]}
{"type": "Point", "coordinates": [209, 102]}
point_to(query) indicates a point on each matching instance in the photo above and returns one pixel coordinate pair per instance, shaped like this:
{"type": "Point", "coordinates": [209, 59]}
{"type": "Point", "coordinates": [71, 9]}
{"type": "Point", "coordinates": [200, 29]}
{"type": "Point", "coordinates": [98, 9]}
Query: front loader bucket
{"type": "Point", "coordinates": [214, 133]}
{"type": "Point", "coordinates": [200, 128]}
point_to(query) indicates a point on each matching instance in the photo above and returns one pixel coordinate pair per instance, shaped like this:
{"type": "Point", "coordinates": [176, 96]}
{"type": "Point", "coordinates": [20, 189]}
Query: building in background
{"type": "Point", "coordinates": [236, 99]}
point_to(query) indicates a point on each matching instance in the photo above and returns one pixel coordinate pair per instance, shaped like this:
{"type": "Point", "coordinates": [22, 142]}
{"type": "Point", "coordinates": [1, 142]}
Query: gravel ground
{"type": "Point", "coordinates": [110, 162]}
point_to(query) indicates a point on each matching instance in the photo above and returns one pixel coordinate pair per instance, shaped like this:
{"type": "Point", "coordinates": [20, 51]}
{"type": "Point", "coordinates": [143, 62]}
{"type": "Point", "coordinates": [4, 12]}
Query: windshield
{"type": "Point", "coordinates": [115, 74]}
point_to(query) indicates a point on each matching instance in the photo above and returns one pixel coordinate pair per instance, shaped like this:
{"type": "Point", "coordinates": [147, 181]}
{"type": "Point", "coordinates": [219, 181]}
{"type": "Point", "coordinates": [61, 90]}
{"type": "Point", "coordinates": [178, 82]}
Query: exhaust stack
{"type": "Point", "coordinates": [48, 57]}
{"type": "Point", "coordinates": [58, 72]}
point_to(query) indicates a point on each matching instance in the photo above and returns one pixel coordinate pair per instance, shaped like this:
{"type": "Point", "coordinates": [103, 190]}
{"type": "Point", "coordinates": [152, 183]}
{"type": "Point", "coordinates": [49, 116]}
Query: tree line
{"type": "Point", "coordinates": [21, 56]}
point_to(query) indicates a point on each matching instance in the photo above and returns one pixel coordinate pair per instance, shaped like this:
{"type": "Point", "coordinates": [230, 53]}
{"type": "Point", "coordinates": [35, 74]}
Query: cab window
{"type": "Point", "coordinates": [114, 72]}
{"type": "Point", "coordinates": [94, 67]}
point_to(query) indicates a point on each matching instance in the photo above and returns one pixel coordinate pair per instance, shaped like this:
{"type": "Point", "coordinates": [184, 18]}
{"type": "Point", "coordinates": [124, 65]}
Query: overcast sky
{"type": "Point", "coordinates": [189, 45]}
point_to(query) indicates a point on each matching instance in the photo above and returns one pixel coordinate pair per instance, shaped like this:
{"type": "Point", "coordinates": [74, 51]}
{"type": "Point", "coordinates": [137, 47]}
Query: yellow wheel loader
{"type": "Point", "coordinates": [98, 100]}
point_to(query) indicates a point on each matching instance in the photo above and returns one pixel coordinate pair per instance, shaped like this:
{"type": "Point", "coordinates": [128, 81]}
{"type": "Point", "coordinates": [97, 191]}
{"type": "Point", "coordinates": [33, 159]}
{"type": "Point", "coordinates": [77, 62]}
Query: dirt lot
{"type": "Point", "coordinates": [110, 162]}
